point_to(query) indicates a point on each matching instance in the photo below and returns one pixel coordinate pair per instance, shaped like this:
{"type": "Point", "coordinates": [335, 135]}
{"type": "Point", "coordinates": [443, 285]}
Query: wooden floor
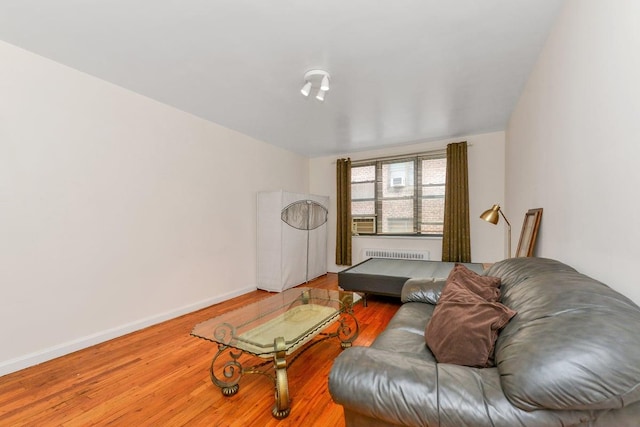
{"type": "Point", "coordinates": [159, 377]}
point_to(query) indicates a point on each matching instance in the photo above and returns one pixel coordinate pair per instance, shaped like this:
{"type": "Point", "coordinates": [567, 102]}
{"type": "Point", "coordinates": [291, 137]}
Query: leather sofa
{"type": "Point", "coordinates": [569, 357]}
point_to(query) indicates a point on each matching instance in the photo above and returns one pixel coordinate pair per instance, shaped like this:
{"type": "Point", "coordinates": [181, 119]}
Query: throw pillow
{"type": "Point", "coordinates": [487, 287]}
{"type": "Point", "coordinates": [464, 327]}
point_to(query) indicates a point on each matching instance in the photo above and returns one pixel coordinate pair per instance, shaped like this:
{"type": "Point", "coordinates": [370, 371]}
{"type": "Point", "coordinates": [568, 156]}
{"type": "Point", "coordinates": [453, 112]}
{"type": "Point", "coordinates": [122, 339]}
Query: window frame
{"type": "Point", "coordinates": [417, 198]}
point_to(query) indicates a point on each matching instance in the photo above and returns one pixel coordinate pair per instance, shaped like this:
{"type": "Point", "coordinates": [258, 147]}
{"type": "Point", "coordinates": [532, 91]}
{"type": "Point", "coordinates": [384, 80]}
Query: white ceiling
{"type": "Point", "coordinates": [401, 70]}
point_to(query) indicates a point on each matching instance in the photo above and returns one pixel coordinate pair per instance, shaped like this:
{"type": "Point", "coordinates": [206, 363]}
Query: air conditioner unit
{"type": "Point", "coordinates": [397, 181]}
{"type": "Point", "coordinates": [363, 225]}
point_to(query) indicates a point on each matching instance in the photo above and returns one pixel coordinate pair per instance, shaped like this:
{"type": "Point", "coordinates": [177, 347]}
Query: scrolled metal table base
{"type": "Point", "coordinates": [233, 370]}
{"type": "Point", "coordinates": [348, 329]}
{"type": "Point", "coordinates": [281, 409]}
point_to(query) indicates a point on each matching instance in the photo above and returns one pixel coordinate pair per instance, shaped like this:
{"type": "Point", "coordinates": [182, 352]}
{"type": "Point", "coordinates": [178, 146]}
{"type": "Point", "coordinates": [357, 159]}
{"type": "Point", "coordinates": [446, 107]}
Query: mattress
{"type": "Point", "coordinates": [387, 276]}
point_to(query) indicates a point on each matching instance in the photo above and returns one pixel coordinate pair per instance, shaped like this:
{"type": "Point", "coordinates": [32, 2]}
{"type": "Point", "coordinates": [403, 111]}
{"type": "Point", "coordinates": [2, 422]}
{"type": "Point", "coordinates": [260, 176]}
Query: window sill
{"type": "Point", "coordinates": [399, 236]}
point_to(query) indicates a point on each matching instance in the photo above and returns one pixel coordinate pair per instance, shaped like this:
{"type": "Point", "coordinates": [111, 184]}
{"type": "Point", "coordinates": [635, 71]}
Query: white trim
{"type": "Point", "coordinates": [37, 357]}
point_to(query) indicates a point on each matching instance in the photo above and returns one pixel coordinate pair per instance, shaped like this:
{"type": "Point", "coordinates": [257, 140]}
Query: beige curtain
{"type": "Point", "coordinates": [456, 243]}
{"type": "Point", "coordinates": [343, 228]}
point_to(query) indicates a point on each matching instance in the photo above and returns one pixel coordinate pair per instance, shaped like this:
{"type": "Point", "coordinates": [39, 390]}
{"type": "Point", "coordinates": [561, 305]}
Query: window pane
{"type": "Point", "coordinates": [432, 228]}
{"type": "Point", "coordinates": [393, 211]}
{"type": "Point", "coordinates": [432, 221]}
{"type": "Point", "coordinates": [434, 171]}
{"type": "Point", "coordinates": [398, 226]}
{"type": "Point", "coordinates": [397, 207]}
{"type": "Point", "coordinates": [434, 175]}
{"type": "Point", "coordinates": [363, 173]}
{"type": "Point", "coordinates": [433, 191]}
{"type": "Point", "coordinates": [366, 190]}
{"type": "Point", "coordinates": [397, 179]}
{"type": "Point", "coordinates": [363, 208]}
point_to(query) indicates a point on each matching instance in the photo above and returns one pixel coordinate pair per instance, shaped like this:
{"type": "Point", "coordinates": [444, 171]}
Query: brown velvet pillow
{"type": "Point", "coordinates": [464, 327]}
{"type": "Point", "coordinates": [487, 287]}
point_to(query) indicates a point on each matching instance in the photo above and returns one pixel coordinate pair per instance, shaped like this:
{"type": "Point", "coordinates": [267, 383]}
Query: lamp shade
{"type": "Point", "coordinates": [491, 215]}
{"type": "Point", "coordinates": [324, 85]}
{"type": "Point", "coordinates": [306, 89]}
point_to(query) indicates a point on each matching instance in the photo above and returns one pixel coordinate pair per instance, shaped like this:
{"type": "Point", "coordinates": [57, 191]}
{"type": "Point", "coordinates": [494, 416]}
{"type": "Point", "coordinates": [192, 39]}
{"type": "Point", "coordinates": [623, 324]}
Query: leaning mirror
{"type": "Point", "coordinates": [529, 233]}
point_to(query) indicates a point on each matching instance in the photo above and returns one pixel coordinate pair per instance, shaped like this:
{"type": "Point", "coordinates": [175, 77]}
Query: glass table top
{"type": "Point", "coordinates": [295, 314]}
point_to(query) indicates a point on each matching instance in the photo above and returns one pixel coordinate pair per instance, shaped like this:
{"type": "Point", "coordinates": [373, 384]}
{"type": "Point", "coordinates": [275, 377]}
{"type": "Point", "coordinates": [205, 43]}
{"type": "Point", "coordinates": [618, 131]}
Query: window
{"type": "Point", "coordinates": [405, 195]}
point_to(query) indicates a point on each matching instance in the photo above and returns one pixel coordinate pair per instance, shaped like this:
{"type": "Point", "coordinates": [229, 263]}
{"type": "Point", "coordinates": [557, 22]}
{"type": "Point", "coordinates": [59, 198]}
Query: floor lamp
{"type": "Point", "coordinates": [491, 215]}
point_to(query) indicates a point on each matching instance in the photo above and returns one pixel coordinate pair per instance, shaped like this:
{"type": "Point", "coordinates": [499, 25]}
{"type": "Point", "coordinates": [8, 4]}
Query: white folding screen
{"type": "Point", "coordinates": [292, 239]}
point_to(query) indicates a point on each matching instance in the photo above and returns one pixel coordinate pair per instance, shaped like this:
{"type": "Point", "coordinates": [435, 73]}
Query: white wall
{"type": "Point", "coordinates": [117, 211]}
{"type": "Point", "coordinates": [486, 187]}
{"type": "Point", "coordinates": [572, 142]}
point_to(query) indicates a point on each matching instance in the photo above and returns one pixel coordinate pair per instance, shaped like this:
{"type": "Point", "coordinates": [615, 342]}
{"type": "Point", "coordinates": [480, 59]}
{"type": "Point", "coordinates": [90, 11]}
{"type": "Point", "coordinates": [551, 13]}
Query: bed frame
{"type": "Point", "coordinates": [382, 276]}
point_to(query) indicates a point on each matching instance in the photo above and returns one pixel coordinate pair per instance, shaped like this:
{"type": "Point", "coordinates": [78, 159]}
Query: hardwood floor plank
{"type": "Point", "coordinates": [159, 376]}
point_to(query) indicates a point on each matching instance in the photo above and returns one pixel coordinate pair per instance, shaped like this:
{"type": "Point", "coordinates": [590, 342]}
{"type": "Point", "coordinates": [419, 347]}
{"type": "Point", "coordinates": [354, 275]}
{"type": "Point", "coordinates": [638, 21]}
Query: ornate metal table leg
{"type": "Point", "coordinates": [348, 329]}
{"type": "Point", "coordinates": [232, 371]}
{"type": "Point", "coordinates": [281, 409]}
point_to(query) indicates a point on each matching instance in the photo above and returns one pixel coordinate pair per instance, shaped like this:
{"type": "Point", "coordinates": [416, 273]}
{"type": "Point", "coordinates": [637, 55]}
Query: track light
{"type": "Point", "coordinates": [306, 89]}
{"type": "Point", "coordinates": [316, 78]}
{"type": "Point", "coordinates": [324, 86]}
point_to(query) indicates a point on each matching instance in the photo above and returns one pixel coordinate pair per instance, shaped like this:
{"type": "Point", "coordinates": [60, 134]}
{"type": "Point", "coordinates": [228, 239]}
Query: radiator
{"type": "Point", "coordinates": [395, 254]}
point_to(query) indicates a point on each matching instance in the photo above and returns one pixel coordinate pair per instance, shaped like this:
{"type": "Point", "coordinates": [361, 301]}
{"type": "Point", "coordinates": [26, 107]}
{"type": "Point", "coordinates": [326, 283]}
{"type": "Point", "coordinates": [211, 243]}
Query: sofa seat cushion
{"type": "Point", "coordinates": [575, 343]}
{"type": "Point", "coordinates": [382, 387]}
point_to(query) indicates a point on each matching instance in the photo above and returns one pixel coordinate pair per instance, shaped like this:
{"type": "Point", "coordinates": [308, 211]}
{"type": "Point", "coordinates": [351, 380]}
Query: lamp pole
{"type": "Point", "coordinates": [508, 228]}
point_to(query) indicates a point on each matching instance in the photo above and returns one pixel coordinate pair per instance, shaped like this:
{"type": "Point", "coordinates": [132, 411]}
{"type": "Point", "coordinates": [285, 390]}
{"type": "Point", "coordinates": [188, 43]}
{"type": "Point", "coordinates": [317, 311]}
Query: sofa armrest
{"type": "Point", "coordinates": [385, 386]}
{"type": "Point", "coordinates": [425, 290]}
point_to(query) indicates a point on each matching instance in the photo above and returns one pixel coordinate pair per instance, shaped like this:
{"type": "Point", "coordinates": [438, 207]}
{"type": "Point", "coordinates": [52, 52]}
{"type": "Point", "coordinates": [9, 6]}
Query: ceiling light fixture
{"type": "Point", "coordinates": [306, 89]}
{"type": "Point", "coordinates": [316, 78]}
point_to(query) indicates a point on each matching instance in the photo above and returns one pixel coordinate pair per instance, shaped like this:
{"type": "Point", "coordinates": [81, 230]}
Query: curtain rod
{"type": "Point", "coordinates": [401, 156]}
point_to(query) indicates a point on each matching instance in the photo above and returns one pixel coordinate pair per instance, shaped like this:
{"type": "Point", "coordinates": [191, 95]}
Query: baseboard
{"type": "Point", "coordinates": [35, 358]}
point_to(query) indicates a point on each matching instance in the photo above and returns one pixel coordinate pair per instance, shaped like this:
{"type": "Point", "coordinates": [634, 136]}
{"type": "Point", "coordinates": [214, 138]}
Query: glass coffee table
{"type": "Point", "coordinates": [275, 328]}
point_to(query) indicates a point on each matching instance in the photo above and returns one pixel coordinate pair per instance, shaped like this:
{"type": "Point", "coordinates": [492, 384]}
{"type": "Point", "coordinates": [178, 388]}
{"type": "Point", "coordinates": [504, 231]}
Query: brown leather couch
{"type": "Point", "coordinates": [570, 357]}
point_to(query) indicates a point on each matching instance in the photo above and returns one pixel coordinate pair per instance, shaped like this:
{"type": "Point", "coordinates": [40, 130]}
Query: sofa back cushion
{"type": "Point", "coordinates": [575, 343]}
